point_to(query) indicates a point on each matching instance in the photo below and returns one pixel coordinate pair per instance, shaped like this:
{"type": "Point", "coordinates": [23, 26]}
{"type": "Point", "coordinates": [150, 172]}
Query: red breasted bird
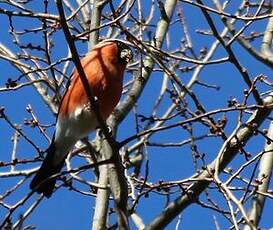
{"type": "Point", "coordinates": [104, 67]}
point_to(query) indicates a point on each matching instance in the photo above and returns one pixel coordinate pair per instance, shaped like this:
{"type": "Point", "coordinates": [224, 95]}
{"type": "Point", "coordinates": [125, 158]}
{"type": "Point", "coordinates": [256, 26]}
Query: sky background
{"type": "Point", "coordinates": [70, 210]}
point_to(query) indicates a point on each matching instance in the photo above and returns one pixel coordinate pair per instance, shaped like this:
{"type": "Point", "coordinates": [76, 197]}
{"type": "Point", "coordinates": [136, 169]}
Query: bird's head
{"type": "Point", "coordinates": [124, 52]}
{"type": "Point", "coordinates": [115, 51]}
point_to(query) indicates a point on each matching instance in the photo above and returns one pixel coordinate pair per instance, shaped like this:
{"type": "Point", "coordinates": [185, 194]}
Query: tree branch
{"type": "Point", "coordinates": [264, 176]}
{"type": "Point", "coordinates": [228, 151]}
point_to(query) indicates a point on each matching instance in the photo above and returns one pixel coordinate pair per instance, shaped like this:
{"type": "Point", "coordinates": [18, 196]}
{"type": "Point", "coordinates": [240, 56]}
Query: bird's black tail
{"type": "Point", "coordinates": [42, 183]}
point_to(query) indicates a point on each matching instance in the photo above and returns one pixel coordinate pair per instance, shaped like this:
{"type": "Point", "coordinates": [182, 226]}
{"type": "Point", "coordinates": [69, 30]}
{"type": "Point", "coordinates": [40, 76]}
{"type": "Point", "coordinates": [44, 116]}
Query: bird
{"type": "Point", "coordinates": [104, 66]}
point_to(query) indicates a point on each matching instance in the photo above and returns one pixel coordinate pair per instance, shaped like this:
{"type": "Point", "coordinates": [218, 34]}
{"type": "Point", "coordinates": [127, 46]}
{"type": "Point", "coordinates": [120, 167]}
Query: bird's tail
{"type": "Point", "coordinates": [42, 183]}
